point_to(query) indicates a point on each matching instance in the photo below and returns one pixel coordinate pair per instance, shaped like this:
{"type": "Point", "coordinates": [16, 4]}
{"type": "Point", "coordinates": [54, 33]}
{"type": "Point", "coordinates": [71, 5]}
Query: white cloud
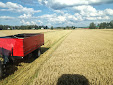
{"type": "Point", "coordinates": [47, 16]}
{"type": "Point", "coordinates": [6, 17]}
{"type": "Point", "coordinates": [97, 18]}
{"type": "Point", "coordinates": [79, 16]}
{"type": "Point", "coordinates": [92, 18]}
{"type": "Point", "coordinates": [61, 18]}
{"type": "Point", "coordinates": [86, 10]}
{"type": "Point", "coordinates": [59, 11]}
{"type": "Point", "coordinates": [105, 18]}
{"type": "Point", "coordinates": [109, 11]}
{"type": "Point", "coordinates": [40, 22]}
{"type": "Point", "coordinates": [2, 5]}
{"type": "Point", "coordinates": [14, 7]}
{"type": "Point", "coordinates": [27, 22]}
{"type": "Point", "coordinates": [90, 13]}
{"type": "Point", "coordinates": [25, 16]}
{"type": "Point", "coordinates": [33, 23]}
{"type": "Point", "coordinates": [84, 13]}
{"type": "Point", "coordinates": [59, 4]}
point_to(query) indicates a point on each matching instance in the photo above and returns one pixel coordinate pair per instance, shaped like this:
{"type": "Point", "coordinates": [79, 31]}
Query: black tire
{"type": "Point", "coordinates": [39, 52]}
{"type": "Point", "coordinates": [11, 61]}
{"type": "Point", "coordinates": [4, 70]}
{"type": "Point", "coordinates": [30, 55]}
{"type": "Point", "coordinates": [1, 70]}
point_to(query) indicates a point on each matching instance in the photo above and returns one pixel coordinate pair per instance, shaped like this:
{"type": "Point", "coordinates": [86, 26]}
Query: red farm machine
{"type": "Point", "coordinates": [18, 46]}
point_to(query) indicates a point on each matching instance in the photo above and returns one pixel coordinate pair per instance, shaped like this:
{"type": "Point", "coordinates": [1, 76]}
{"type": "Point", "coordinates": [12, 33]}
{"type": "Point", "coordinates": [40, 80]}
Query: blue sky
{"type": "Point", "coordinates": [55, 12]}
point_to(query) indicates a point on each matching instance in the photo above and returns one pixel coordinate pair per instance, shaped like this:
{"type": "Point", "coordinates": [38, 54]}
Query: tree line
{"type": "Point", "coordinates": [103, 25]}
{"type": "Point", "coordinates": [27, 27]}
{"type": "Point", "coordinates": [23, 27]}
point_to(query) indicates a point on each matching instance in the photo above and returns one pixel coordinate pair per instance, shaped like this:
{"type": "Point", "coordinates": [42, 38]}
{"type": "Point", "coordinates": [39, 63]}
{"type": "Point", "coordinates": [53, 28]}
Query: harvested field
{"type": "Point", "coordinates": [24, 72]}
{"type": "Point", "coordinates": [84, 57]}
{"type": "Point", "coordinates": [13, 32]}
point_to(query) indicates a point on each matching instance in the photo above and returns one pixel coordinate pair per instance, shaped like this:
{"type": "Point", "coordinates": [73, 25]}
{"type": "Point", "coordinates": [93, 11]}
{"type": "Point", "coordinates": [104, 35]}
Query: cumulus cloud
{"type": "Point", "coordinates": [98, 18]}
{"type": "Point", "coordinates": [59, 20]}
{"type": "Point", "coordinates": [79, 16]}
{"type": "Point", "coordinates": [83, 10]}
{"type": "Point", "coordinates": [109, 11]}
{"type": "Point", "coordinates": [91, 13]}
{"type": "Point", "coordinates": [86, 10]}
{"type": "Point", "coordinates": [50, 19]}
{"type": "Point", "coordinates": [59, 11]}
{"type": "Point", "coordinates": [14, 7]}
{"type": "Point", "coordinates": [59, 4]}
{"type": "Point", "coordinates": [25, 16]}
{"type": "Point", "coordinates": [6, 17]}
{"type": "Point", "coordinates": [27, 22]}
{"type": "Point", "coordinates": [2, 5]}
{"type": "Point", "coordinates": [40, 22]}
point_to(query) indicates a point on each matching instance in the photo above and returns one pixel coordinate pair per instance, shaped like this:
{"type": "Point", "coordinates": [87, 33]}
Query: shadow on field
{"type": "Point", "coordinates": [31, 58]}
{"type": "Point", "coordinates": [13, 66]}
{"type": "Point", "coordinates": [43, 49]}
{"type": "Point", "coordinates": [72, 79]}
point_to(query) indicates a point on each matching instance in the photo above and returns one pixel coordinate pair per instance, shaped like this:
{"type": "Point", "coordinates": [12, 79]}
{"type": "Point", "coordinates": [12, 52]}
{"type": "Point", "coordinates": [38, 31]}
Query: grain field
{"type": "Point", "coordinates": [85, 57]}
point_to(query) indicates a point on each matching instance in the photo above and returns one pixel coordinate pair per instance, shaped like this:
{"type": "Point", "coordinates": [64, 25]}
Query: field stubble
{"type": "Point", "coordinates": [85, 53]}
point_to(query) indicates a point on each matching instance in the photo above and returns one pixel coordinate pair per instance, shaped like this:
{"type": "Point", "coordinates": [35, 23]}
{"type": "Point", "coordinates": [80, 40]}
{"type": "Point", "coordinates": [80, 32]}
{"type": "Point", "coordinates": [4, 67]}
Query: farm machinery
{"type": "Point", "coordinates": [18, 46]}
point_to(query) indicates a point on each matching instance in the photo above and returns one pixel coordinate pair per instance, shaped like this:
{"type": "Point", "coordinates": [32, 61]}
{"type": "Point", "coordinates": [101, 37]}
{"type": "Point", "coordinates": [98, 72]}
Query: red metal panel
{"type": "Point", "coordinates": [32, 43]}
{"type": "Point", "coordinates": [22, 46]}
{"type": "Point", "coordinates": [9, 43]}
{"type": "Point", "coordinates": [18, 48]}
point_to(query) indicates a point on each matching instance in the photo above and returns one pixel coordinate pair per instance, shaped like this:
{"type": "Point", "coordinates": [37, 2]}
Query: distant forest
{"type": "Point", "coordinates": [23, 27]}
{"type": "Point", "coordinates": [103, 25]}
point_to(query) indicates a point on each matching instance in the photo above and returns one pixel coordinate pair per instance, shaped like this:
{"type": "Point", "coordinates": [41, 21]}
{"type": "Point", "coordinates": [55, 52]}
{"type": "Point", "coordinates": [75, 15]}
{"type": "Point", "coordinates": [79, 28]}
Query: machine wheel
{"type": "Point", "coordinates": [39, 52]}
{"type": "Point", "coordinates": [30, 55]}
{"type": "Point", "coordinates": [11, 61]}
{"type": "Point", "coordinates": [1, 72]}
{"type": "Point", "coordinates": [4, 69]}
